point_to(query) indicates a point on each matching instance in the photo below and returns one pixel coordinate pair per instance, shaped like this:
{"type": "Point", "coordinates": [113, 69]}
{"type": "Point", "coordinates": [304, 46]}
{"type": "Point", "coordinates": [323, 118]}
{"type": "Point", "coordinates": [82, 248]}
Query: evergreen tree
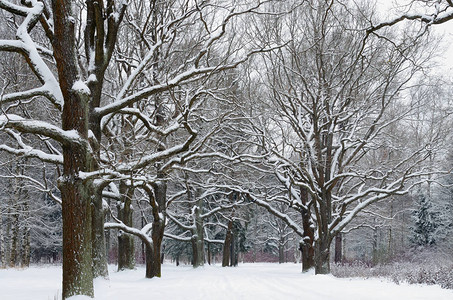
{"type": "Point", "coordinates": [427, 222]}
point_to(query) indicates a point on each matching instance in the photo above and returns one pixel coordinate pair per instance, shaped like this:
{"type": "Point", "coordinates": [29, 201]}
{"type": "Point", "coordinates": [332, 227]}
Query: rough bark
{"type": "Point", "coordinates": [100, 268]}
{"type": "Point", "coordinates": [307, 246]}
{"type": "Point", "coordinates": [227, 245]}
{"type": "Point", "coordinates": [75, 193]}
{"type": "Point", "coordinates": [149, 263]}
{"type": "Point", "coordinates": [322, 255]}
{"type": "Point", "coordinates": [157, 234]}
{"type": "Point", "coordinates": [126, 248]}
{"type": "Point", "coordinates": [198, 237]}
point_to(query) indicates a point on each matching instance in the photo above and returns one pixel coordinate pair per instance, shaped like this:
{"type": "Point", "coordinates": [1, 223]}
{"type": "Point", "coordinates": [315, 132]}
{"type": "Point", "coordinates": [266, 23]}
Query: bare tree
{"type": "Point", "coordinates": [331, 89]}
{"type": "Point", "coordinates": [78, 41]}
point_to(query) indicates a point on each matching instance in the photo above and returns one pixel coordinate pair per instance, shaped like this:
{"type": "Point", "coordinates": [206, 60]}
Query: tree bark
{"type": "Point", "coordinates": [15, 237]}
{"type": "Point", "coordinates": [322, 255]}
{"type": "Point", "coordinates": [75, 193]}
{"type": "Point", "coordinates": [198, 237]}
{"type": "Point", "coordinates": [149, 271]}
{"type": "Point", "coordinates": [307, 246]}
{"type": "Point", "coordinates": [158, 202]}
{"type": "Point", "coordinates": [25, 258]}
{"type": "Point", "coordinates": [99, 254]}
{"type": "Point", "coordinates": [2, 243]}
{"type": "Point", "coordinates": [227, 245]}
{"type": "Point", "coordinates": [338, 248]}
{"type": "Point", "coordinates": [126, 249]}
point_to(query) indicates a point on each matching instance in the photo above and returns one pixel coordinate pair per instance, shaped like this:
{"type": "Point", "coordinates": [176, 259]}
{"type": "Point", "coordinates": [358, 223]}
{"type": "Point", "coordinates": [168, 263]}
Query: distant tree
{"type": "Point", "coordinates": [426, 223]}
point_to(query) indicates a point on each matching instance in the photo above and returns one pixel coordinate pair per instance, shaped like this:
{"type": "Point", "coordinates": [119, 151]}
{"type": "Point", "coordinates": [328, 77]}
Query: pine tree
{"type": "Point", "coordinates": [427, 222]}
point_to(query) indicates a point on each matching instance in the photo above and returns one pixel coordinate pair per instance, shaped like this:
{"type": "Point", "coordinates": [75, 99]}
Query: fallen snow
{"type": "Point", "coordinates": [248, 281]}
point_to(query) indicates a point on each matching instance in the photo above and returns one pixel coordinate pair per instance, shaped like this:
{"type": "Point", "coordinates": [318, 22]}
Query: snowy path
{"type": "Point", "coordinates": [249, 281]}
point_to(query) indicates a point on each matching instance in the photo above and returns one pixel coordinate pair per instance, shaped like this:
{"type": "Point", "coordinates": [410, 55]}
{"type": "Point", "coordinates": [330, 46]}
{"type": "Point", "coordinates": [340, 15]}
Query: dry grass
{"type": "Point", "coordinates": [425, 269]}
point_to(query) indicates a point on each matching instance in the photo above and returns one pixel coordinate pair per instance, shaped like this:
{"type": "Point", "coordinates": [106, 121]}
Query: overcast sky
{"type": "Point", "coordinates": [445, 58]}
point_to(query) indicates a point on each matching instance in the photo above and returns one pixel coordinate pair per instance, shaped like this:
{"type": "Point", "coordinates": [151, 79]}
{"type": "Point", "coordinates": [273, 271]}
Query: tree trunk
{"type": "Point", "coordinates": [338, 248]}
{"type": "Point", "coordinates": [307, 247]}
{"type": "Point", "coordinates": [2, 242]}
{"type": "Point", "coordinates": [281, 252]}
{"type": "Point", "coordinates": [227, 245]}
{"type": "Point", "coordinates": [14, 252]}
{"type": "Point", "coordinates": [25, 258]}
{"type": "Point", "coordinates": [149, 273]}
{"type": "Point", "coordinates": [75, 193]}
{"type": "Point", "coordinates": [99, 254]}
{"type": "Point", "coordinates": [209, 254]}
{"type": "Point", "coordinates": [14, 238]}
{"type": "Point", "coordinates": [126, 249]}
{"type": "Point", "coordinates": [322, 256]}
{"type": "Point", "coordinates": [157, 234]}
{"type": "Point", "coordinates": [198, 237]}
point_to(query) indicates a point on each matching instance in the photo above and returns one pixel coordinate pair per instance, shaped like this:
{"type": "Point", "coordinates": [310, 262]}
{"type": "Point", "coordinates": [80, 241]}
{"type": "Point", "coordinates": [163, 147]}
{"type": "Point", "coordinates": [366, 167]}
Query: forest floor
{"type": "Point", "coordinates": [247, 281]}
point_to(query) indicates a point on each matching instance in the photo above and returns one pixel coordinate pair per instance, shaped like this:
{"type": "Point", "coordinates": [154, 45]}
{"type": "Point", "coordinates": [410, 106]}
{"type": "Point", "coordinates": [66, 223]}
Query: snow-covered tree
{"type": "Point", "coordinates": [426, 223]}
{"type": "Point", "coordinates": [70, 47]}
{"type": "Point", "coordinates": [332, 90]}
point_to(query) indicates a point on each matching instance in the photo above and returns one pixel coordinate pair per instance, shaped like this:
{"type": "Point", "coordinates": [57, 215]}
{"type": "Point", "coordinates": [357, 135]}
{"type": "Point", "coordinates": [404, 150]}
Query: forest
{"type": "Point", "coordinates": [219, 132]}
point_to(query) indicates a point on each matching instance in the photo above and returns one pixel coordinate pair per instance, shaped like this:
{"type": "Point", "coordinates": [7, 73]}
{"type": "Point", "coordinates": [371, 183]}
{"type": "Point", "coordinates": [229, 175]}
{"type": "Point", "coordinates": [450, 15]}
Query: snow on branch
{"type": "Point", "coordinates": [42, 128]}
{"type": "Point", "coordinates": [25, 46]}
{"type": "Point", "coordinates": [142, 234]}
{"type": "Point", "coordinates": [427, 19]}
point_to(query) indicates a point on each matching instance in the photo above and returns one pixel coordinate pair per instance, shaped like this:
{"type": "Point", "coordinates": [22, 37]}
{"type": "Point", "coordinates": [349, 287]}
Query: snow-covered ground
{"type": "Point", "coordinates": [248, 281]}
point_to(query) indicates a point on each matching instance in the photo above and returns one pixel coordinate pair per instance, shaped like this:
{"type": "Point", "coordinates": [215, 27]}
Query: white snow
{"type": "Point", "coordinates": [81, 87]}
{"type": "Point", "coordinates": [248, 281]}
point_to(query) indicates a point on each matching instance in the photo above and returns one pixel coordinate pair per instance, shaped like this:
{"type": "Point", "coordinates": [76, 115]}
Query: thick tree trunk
{"type": "Point", "coordinates": [157, 236]}
{"type": "Point", "coordinates": [75, 192]}
{"type": "Point", "coordinates": [227, 245]}
{"type": "Point", "coordinates": [149, 272]}
{"type": "Point", "coordinates": [322, 256]}
{"type": "Point", "coordinates": [77, 244]}
{"type": "Point", "coordinates": [126, 248]}
{"type": "Point", "coordinates": [153, 264]}
{"type": "Point", "coordinates": [307, 246]}
{"type": "Point", "coordinates": [100, 268]}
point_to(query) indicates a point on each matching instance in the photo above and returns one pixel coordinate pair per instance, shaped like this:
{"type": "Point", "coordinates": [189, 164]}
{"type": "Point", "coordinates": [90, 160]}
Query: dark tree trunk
{"type": "Point", "coordinates": [157, 236]}
{"type": "Point", "coordinates": [75, 193]}
{"type": "Point", "coordinates": [158, 199]}
{"type": "Point", "coordinates": [338, 248]}
{"type": "Point", "coordinates": [149, 273]}
{"type": "Point", "coordinates": [307, 247]}
{"type": "Point", "coordinates": [126, 249]}
{"type": "Point", "coordinates": [15, 237]}
{"type": "Point", "coordinates": [25, 258]}
{"type": "Point", "coordinates": [322, 256]}
{"type": "Point", "coordinates": [227, 245]}
{"type": "Point", "coordinates": [281, 252]}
